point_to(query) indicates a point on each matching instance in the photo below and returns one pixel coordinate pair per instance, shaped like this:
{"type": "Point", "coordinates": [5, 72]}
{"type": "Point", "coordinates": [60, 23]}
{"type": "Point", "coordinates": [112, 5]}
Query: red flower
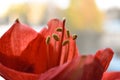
{"type": "Point", "coordinates": [48, 55]}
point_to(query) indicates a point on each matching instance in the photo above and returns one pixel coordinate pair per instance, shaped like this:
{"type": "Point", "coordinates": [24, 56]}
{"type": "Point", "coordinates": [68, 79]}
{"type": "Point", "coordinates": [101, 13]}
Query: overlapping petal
{"type": "Point", "coordinates": [80, 68]}
{"type": "Point", "coordinates": [10, 74]}
{"type": "Point", "coordinates": [111, 76]}
{"type": "Point", "coordinates": [16, 39]}
{"type": "Point", "coordinates": [105, 56]}
{"type": "Point", "coordinates": [13, 42]}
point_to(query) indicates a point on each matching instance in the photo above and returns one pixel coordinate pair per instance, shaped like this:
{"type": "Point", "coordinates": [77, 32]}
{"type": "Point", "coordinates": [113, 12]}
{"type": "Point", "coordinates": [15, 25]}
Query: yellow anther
{"type": "Point", "coordinates": [65, 42]}
{"type": "Point", "coordinates": [56, 37]}
{"type": "Point", "coordinates": [74, 37]}
{"type": "Point", "coordinates": [68, 33]}
{"type": "Point", "coordinates": [59, 29]}
{"type": "Point", "coordinates": [48, 40]}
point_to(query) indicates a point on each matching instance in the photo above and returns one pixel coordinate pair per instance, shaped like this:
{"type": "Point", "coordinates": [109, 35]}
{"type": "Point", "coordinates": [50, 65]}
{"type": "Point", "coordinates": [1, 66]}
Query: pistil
{"type": "Point", "coordinates": [62, 37]}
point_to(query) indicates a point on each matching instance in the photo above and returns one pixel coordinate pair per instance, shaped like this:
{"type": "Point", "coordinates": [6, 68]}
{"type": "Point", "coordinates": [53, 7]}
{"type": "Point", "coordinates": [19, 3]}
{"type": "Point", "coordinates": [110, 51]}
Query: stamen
{"type": "Point", "coordinates": [74, 36]}
{"type": "Point", "coordinates": [65, 42]}
{"type": "Point", "coordinates": [56, 37]}
{"type": "Point", "coordinates": [48, 40]}
{"type": "Point", "coordinates": [47, 44]}
{"type": "Point", "coordinates": [59, 29]}
{"type": "Point", "coordinates": [68, 33]}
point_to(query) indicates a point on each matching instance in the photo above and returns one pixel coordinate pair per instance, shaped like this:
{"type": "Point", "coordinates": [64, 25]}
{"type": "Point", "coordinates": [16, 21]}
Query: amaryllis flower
{"type": "Point", "coordinates": [50, 54]}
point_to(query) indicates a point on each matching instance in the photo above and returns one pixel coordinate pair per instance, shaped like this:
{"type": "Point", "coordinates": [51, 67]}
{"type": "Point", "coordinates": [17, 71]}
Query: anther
{"type": "Point", "coordinates": [74, 37]}
{"type": "Point", "coordinates": [65, 42]}
{"type": "Point", "coordinates": [56, 37]}
{"type": "Point", "coordinates": [68, 33]}
{"type": "Point", "coordinates": [59, 29]}
{"type": "Point", "coordinates": [48, 40]}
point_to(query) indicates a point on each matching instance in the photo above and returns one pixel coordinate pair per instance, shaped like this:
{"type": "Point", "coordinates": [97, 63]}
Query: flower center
{"type": "Point", "coordinates": [62, 39]}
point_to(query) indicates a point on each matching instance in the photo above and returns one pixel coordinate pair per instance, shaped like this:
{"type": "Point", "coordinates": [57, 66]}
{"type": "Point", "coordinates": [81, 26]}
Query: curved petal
{"type": "Point", "coordinates": [105, 56]}
{"type": "Point", "coordinates": [111, 76]}
{"type": "Point", "coordinates": [9, 74]}
{"type": "Point", "coordinates": [12, 43]}
{"type": "Point", "coordinates": [16, 39]}
{"type": "Point", "coordinates": [36, 54]}
{"type": "Point", "coordinates": [81, 68]}
{"type": "Point", "coordinates": [73, 50]}
{"type": "Point", "coordinates": [69, 52]}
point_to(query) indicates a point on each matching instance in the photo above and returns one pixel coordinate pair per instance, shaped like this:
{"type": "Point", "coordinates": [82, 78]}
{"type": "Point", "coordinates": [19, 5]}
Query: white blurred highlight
{"type": "Point", "coordinates": [106, 4]}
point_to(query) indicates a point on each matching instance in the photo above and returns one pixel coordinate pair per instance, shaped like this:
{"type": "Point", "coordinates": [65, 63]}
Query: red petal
{"type": "Point", "coordinates": [16, 39]}
{"type": "Point", "coordinates": [111, 76]}
{"type": "Point", "coordinates": [9, 74]}
{"type": "Point", "coordinates": [81, 68]}
{"type": "Point", "coordinates": [16, 63]}
{"type": "Point", "coordinates": [12, 43]}
{"type": "Point", "coordinates": [69, 51]}
{"type": "Point", "coordinates": [53, 25]}
{"type": "Point", "coordinates": [73, 51]}
{"type": "Point", "coordinates": [36, 54]}
{"type": "Point", "coordinates": [105, 57]}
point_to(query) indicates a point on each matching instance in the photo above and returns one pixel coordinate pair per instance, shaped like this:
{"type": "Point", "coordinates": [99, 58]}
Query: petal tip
{"type": "Point", "coordinates": [109, 50]}
{"type": "Point", "coordinates": [17, 20]}
{"type": "Point", "coordinates": [104, 56]}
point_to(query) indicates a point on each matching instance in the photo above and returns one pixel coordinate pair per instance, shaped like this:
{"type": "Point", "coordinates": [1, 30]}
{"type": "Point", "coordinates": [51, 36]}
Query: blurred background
{"type": "Point", "coordinates": [96, 22]}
